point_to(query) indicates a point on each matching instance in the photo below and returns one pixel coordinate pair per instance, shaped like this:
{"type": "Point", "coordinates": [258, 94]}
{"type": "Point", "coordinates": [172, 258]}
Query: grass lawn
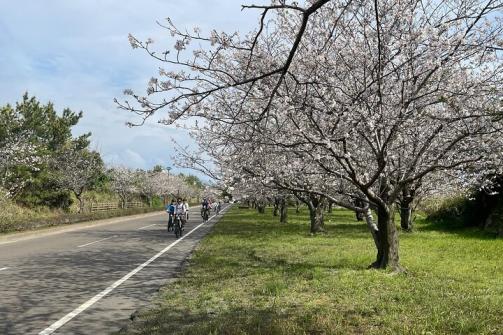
{"type": "Point", "coordinates": [252, 275]}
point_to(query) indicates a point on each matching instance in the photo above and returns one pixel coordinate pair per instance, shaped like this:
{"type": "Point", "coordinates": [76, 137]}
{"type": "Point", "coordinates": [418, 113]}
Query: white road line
{"type": "Point", "coordinates": [155, 224]}
{"type": "Point", "coordinates": [103, 239]}
{"type": "Point", "coordinates": [1, 269]}
{"type": "Point", "coordinates": [58, 324]}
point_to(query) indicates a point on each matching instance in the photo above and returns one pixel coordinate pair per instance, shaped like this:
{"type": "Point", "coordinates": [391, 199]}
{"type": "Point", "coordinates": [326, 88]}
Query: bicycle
{"type": "Point", "coordinates": [178, 226]}
{"type": "Point", "coordinates": [205, 215]}
{"type": "Point", "coordinates": [170, 222]}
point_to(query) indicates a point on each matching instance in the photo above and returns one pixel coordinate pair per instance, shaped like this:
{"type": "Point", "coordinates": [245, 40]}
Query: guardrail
{"type": "Point", "coordinates": [108, 206]}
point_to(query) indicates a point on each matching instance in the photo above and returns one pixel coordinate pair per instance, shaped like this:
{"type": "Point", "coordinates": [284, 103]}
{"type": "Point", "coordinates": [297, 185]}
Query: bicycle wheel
{"type": "Point", "coordinates": [177, 228]}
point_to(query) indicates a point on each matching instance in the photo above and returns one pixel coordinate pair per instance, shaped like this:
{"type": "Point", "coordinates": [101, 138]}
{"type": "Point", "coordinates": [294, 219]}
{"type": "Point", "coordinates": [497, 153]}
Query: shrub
{"type": "Point", "coordinates": [446, 209]}
{"type": "Point", "coordinates": [483, 209]}
{"type": "Point", "coordinates": [17, 218]}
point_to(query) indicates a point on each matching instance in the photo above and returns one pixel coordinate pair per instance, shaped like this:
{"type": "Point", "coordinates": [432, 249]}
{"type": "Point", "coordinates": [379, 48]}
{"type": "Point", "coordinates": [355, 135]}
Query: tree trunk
{"type": "Point", "coordinates": [81, 202]}
{"type": "Point", "coordinates": [260, 206]}
{"type": "Point", "coordinates": [387, 237]}
{"type": "Point", "coordinates": [406, 217]}
{"type": "Point", "coordinates": [316, 205]}
{"type": "Point", "coordinates": [276, 206]}
{"type": "Point", "coordinates": [330, 207]}
{"type": "Point", "coordinates": [359, 215]}
{"type": "Point", "coordinates": [405, 202]}
{"type": "Point", "coordinates": [283, 211]}
{"type": "Point", "coordinates": [123, 202]}
{"type": "Point", "coordinates": [367, 213]}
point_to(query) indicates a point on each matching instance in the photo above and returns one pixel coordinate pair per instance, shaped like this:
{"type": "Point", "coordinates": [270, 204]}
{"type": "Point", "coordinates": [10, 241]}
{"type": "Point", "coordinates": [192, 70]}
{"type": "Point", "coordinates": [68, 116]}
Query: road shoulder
{"type": "Point", "coordinates": [174, 277]}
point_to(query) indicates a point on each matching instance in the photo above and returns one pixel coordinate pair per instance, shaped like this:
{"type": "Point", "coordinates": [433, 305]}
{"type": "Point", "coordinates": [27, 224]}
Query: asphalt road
{"type": "Point", "coordinates": [89, 280]}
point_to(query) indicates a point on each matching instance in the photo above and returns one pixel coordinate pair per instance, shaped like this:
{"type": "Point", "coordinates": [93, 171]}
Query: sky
{"type": "Point", "coordinates": [75, 53]}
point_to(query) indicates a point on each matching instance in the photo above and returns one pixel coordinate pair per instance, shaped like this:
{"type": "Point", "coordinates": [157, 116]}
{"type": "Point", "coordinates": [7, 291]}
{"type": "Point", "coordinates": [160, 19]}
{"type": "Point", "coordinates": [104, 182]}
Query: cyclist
{"type": "Point", "coordinates": [186, 204]}
{"type": "Point", "coordinates": [170, 209]}
{"type": "Point", "coordinates": [181, 210]}
{"type": "Point", "coordinates": [205, 206]}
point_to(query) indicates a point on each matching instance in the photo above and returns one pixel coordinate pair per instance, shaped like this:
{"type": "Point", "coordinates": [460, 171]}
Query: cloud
{"type": "Point", "coordinates": [76, 54]}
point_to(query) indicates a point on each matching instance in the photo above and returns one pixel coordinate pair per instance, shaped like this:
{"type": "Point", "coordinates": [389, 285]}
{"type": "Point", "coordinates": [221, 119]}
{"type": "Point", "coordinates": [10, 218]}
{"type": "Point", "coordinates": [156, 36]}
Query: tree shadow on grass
{"type": "Point", "coordinates": [257, 230]}
{"type": "Point", "coordinates": [247, 226]}
{"type": "Point", "coordinates": [356, 231]}
{"type": "Point", "coordinates": [252, 233]}
{"type": "Point", "coordinates": [221, 320]}
{"type": "Point", "coordinates": [306, 269]}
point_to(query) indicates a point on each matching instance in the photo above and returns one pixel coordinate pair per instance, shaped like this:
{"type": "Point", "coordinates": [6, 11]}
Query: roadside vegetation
{"type": "Point", "coordinates": [253, 275]}
{"type": "Point", "coordinates": [16, 218]}
{"type": "Point", "coordinates": [49, 176]}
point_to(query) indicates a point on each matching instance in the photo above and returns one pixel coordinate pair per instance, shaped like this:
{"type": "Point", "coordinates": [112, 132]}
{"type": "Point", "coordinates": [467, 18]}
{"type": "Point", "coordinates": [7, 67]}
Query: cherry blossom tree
{"type": "Point", "coordinates": [162, 183]}
{"type": "Point", "coordinates": [15, 149]}
{"type": "Point", "coordinates": [377, 95]}
{"type": "Point", "coordinates": [151, 183]}
{"type": "Point", "coordinates": [281, 172]}
{"type": "Point", "coordinates": [123, 182]}
{"type": "Point", "coordinates": [77, 171]}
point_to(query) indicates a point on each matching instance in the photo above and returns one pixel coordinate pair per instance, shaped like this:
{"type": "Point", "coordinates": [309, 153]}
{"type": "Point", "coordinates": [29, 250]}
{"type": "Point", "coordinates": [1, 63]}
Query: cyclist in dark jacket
{"type": "Point", "coordinates": [170, 209]}
{"type": "Point", "coordinates": [205, 206]}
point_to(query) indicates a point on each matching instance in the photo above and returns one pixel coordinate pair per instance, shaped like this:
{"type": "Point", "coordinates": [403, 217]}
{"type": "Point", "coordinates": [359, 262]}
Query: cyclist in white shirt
{"type": "Point", "coordinates": [186, 204]}
{"type": "Point", "coordinates": [181, 210]}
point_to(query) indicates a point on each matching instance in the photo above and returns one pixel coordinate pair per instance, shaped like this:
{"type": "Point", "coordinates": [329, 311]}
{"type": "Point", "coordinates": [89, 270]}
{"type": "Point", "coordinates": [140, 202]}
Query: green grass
{"type": "Point", "coordinates": [252, 275]}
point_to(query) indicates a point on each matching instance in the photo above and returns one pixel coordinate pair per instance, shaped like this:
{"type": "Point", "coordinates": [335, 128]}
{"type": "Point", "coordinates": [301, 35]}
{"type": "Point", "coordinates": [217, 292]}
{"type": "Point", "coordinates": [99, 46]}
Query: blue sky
{"type": "Point", "coordinates": [76, 54]}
